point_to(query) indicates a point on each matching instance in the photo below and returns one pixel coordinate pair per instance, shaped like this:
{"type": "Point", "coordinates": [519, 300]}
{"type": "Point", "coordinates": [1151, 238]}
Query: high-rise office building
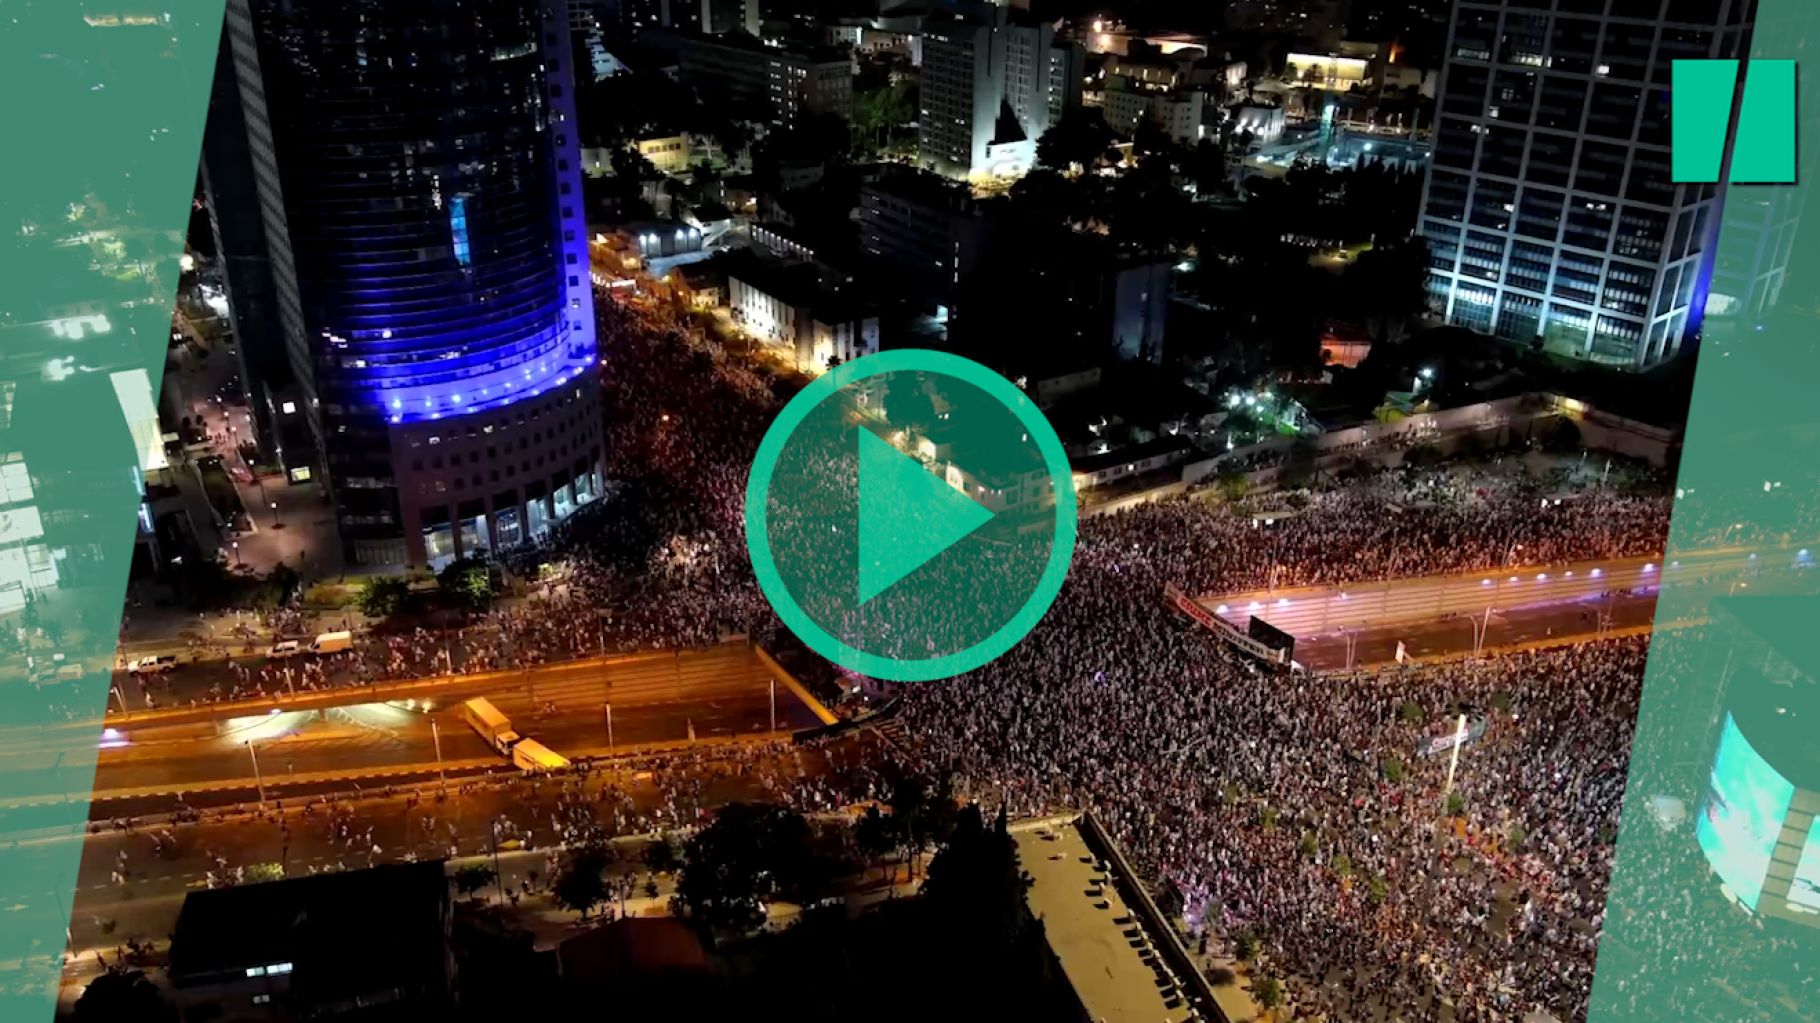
{"type": "Point", "coordinates": [417, 180]}
{"type": "Point", "coordinates": [992, 84]}
{"type": "Point", "coordinates": [1549, 212]}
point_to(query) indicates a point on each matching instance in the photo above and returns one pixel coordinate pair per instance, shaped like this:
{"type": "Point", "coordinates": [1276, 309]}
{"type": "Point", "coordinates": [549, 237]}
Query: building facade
{"type": "Point", "coordinates": [418, 181]}
{"type": "Point", "coordinates": [1549, 213]}
{"type": "Point", "coordinates": [923, 227]}
{"type": "Point", "coordinates": [990, 83]}
{"type": "Point", "coordinates": [789, 309]}
{"type": "Point", "coordinates": [779, 84]}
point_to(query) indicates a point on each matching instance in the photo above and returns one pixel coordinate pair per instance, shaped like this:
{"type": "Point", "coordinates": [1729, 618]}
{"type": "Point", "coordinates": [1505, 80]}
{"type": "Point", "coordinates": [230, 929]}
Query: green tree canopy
{"type": "Point", "coordinates": [580, 886]}
{"type": "Point", "coordinates": [751, 854]}
{"type": "Point", "coordinates": [119, 996]}
{"type": "Point", "coordinates": [382, 596]}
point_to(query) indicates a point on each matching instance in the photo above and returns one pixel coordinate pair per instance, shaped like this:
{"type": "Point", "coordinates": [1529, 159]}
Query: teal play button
{"type": "Point", "coordinates": [910, 515]}
{"type": "Point", "coordinates": [906, 515]}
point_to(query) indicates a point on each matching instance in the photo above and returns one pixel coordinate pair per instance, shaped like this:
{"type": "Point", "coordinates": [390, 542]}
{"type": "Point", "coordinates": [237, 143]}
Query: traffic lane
{"type": "Point", "coordinates": [651, 676]}
{"type": "Point", "coordinates": [392, 738]}
{"type": "Point", "coordinates": [1456, 635]}
{"type": "Point", "coordinates": [1309, 610]}
{"type": "Point", "coordinates": [304, 840]}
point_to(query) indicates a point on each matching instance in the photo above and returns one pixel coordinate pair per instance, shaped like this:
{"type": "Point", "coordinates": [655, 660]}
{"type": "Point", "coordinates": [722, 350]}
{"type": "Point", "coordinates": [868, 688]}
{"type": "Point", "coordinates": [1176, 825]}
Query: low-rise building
{"type": "Point", "coordinates": [1179, 112]}
{"type": "Point", "coordinates": [1106, 464]}
{"type": "Point", "coordinates": [317, 947]}
{"type": "Point", "coordinates": [1263, 121]}
{"type": "Point", "coordinates": [668, 153]}
{"type": "Point", "coordinates": [789, 309]}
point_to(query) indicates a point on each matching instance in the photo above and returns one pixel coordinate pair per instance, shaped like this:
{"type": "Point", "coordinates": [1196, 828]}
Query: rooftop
{"type": "Point", "coordinates": [1134, 453]}
{"type": "Point", "coordinates": [334, 934]}
{"type": "Point", "coordinates": [1104, 950]}
{"type": "Point", "coordinates": [924, 189]}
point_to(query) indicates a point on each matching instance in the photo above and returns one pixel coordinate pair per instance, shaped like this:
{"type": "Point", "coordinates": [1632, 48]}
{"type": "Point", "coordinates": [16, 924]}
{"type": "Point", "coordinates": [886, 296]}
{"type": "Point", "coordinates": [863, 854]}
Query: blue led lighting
{"type": "Point", "coordinates": [458, 229]}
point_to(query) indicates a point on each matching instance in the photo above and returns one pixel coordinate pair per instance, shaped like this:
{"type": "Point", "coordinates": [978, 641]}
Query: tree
{"type": "Point", "coordinates": [1206, 166]}
{"type": "Point", "coordinates": [751, 854]}
{"type": "Point", "coordinates": [907, 402]}
{"type": "Point", "coordinates": [875, 835]}
{"type": "Point", "coordinates": [1393, 770]}
{"type": "Point", "coordinates": [1563, 439]}
{"type": "Point", "coordinates": [467, 582]}
{"type": "Point", "coordinates": [1245, 946]}
{"type": "Point", "coordinates": [1455, 804]}
{"type": "Point", "coordinates": [1081, 138]}
{"type": "Point", "coordinates": [880, 111]}
{"type": "Point", "coordinates": [265, 872]}
{"type": "Point", "coordinates": [1234, 485]}
{"type": "Point", "coordinates": [120, 995]}
{"type": "Point", "coordinates": [1268, 992]}
{"type": "Point", "coordinates": [976, 886]}
{"type": "Point", "coordinates": [382, 596]}
{"type": "Point", "coordinates": [662, 856]}
{"type": "Point", "coordinates": [472, 878]}
{"type": "Point", "coordinates": [203, 582]}
{"type": "Point", "coordinates": [580, 886]}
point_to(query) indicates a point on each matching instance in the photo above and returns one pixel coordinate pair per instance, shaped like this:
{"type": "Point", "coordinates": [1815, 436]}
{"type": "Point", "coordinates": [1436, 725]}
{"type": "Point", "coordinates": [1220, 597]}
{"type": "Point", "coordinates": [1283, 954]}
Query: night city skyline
{"type": "Point", "coordinates": [1116, 511]}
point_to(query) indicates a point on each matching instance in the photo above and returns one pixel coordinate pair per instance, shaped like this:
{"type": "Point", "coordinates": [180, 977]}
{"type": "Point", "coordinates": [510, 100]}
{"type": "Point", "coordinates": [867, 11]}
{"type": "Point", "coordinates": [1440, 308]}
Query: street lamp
{"type": "Point", "coordinates": [236, 553]}
{"type": "Point", "coordinates": [277, 519]}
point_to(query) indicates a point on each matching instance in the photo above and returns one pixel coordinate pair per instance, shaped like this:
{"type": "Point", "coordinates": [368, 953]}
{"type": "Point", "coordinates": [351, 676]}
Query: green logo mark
{"type": "Point", "coordinates": [1700, 113]}
{"type": "Point", "coordinates": [911, 515]}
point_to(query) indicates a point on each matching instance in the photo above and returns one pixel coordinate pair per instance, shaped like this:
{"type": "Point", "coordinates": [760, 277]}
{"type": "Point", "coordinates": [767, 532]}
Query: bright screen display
{"type": "Point", "coordinates": [1742, 816]}
{"type": "Point", "coordinates": [1804, 893]}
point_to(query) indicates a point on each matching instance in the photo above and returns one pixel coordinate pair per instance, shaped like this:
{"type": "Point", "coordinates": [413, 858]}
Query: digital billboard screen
{"type": "Point", "coordinates": [1738, 825]}
{"type": "Point", "coordinates": [1804, 892]}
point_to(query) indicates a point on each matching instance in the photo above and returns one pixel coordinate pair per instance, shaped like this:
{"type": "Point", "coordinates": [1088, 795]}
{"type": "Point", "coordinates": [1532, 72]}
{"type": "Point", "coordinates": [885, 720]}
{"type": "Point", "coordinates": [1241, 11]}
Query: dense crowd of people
{"type": "Point", "coordinates": [1316, 816]}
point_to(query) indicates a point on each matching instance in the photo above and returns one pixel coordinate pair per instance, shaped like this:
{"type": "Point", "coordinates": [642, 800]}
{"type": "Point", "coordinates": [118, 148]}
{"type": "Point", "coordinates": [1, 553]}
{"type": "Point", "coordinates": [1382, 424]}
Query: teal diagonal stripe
{"type": "Point", "coordinates": [103, 119]}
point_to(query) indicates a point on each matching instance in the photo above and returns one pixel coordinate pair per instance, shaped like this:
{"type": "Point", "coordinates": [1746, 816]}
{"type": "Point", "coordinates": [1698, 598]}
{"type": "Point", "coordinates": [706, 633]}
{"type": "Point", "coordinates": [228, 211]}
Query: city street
{"type": "Point", "coordinates": [345, 736]}
{"type": "Point", "coordinates": [653, 676]}
{"type": "Point", "coordinates": [300, 530]}
{"type": "Point", "coordinates": [631, 800]}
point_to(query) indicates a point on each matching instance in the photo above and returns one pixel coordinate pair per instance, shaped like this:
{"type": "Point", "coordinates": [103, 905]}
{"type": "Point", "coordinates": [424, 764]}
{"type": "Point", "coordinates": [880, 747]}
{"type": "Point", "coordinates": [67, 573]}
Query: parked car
{"type": "Point", "coordinates": [285, 648]}
{"type": "Point", "coordinates": [157, 664]}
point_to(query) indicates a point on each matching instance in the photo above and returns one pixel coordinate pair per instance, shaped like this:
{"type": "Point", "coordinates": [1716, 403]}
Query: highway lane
{"type": "Point", "coordinates": [373, 741]}
{"type": "Point", "coordinates": [648, 677]}
{"type": "Point", "coordinates": [146, 770]}
{"type": "Point", "coordinates": [1459, 635]}
{"type": "Point", "coordinates": [1314, 610]}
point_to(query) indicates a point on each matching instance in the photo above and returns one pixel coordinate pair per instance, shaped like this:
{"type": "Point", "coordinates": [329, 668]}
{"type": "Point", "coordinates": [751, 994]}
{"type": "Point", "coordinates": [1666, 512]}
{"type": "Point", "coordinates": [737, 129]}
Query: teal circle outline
{"type": "Point", "coordinates": [825, 643]}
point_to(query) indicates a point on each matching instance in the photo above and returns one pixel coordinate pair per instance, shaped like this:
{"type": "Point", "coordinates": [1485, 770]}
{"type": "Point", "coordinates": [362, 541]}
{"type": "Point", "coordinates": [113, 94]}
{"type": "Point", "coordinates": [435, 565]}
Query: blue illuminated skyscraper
{"type": "Point", "coordinates": [418, 182]}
